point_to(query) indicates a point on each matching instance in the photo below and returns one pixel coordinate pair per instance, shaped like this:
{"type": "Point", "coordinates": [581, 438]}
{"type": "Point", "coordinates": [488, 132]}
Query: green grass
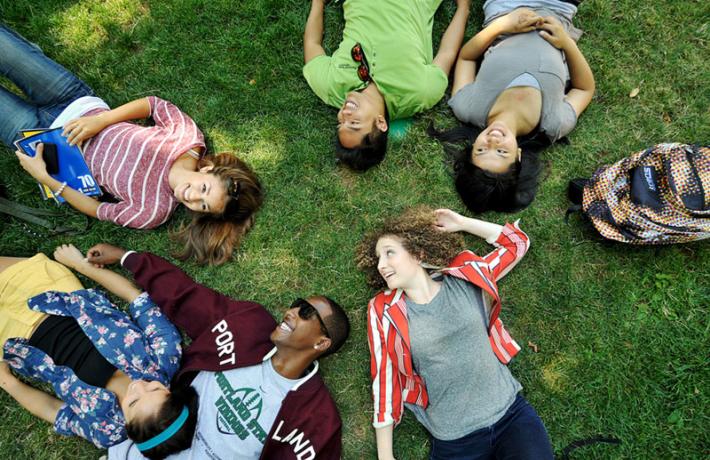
{"type": "Point", "coordinates": [622, 332]}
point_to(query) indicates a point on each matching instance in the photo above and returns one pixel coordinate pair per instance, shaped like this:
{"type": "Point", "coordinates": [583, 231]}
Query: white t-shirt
{"type": "Point", "coordinates": [78, 108]}
{"type": "Point", "coordinates": [237, 409]}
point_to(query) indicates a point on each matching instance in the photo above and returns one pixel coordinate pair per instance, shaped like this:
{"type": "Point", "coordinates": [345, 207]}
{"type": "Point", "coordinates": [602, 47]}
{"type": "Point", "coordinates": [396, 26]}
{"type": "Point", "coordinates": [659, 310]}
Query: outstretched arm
{"type": "Point", "coordinates": [70, 256]}
{"type": "Point", "coordinates": [517, 21]}
{"type": "Point", "coordinates": [452, 38]}
{"type": "Point", "coordinates": [580, 73]}
{"type": "Point", "coordinates": [39, 403]}
{"type": "Point", "coordinates": [313, 35]}
{"type": "Point", "coordinates": [450, 221]}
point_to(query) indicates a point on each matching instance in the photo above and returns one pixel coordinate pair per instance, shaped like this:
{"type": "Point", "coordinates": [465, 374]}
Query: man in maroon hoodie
{"type": "Point", "coordinates": [260, 393]}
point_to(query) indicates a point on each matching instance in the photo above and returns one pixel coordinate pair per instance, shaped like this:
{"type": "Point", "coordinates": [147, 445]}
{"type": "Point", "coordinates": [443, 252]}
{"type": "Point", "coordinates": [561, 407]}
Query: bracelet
{"type": "Point", "coordinates": [60, 190]}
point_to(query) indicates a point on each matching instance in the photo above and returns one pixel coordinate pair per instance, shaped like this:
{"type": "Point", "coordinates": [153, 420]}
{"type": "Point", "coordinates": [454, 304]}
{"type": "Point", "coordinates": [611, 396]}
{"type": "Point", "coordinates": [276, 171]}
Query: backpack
{"type": "Point", "coordinates": [660, 195]}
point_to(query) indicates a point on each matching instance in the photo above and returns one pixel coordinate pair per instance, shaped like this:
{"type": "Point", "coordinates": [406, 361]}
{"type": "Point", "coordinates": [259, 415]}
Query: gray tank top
{"type": "Point", "coordinates": [468, 387]}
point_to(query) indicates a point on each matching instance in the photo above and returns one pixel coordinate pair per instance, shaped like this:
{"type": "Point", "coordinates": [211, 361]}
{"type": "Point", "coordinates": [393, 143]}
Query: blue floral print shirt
{"type": "Point", "coordinates": [144, 345]}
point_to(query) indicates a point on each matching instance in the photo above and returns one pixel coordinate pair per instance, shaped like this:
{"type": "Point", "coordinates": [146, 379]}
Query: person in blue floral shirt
{"type": "Point", "coordinates": [110, 370]}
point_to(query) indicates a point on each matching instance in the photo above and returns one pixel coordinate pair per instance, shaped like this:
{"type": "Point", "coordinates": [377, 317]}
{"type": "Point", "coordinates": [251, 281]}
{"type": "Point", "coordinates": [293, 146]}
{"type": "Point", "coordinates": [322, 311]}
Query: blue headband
{"type": "Point", "coordinates": [167, 433]}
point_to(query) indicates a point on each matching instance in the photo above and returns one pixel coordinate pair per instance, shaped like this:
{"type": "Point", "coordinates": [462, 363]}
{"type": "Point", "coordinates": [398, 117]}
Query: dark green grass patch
{"type": "Point", "coordinates": [622, 333]}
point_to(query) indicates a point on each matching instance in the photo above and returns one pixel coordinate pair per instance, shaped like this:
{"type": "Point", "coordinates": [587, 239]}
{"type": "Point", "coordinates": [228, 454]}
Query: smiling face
{"type": "Point", "coordinates": [396, 265]}
{"type": "Point", "coordinates": [143, 400]}
{"type": "Point", "coordinates": [495, 149]}
{"type": "Point", "coordinates": [202, 192]}
{"type": "Point", "coordinates": [358, 116]}
{"type": "Point", "coordinates": [301, 334]}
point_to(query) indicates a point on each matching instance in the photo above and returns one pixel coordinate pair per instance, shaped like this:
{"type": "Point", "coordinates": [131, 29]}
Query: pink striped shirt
{"type": "Point", "coordinates": [131, 162]}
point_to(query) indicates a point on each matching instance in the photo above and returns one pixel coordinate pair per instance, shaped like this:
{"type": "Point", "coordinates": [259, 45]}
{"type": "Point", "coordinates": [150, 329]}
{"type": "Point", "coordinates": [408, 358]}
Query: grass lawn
{"type": "Point", "coordinates": [620, 330]}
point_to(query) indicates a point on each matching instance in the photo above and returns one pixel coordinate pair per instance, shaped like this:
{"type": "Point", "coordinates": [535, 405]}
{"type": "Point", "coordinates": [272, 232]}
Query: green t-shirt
{"type": "Point", "coordinates": [396, 38]}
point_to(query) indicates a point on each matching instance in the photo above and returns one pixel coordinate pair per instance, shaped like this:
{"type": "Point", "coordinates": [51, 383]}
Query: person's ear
{"type": "Point", "coordinates": [323, 344]}
{"type": "Point", "coordinates": [206, 169]}
{"type": "Point", "coordinates": [381, 123]}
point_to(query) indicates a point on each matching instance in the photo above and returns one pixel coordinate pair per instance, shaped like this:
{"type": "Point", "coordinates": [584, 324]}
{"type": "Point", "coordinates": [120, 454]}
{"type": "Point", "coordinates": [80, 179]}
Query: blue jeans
{"type": "Point", "coordinates": [519, 435]}
{"type": "Point", "coordinates": [48, 87]}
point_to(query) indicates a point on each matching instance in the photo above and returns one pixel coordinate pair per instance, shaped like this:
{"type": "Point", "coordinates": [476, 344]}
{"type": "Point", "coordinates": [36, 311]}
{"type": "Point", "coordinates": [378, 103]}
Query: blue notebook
{"type": "Point", "coordinates": [72, 167]}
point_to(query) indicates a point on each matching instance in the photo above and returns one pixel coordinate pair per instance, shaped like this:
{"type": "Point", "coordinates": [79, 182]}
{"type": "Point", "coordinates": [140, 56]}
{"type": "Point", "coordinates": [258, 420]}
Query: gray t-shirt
{"type": "Point", "coordinates": [507, 59]}
{"type": "Point", "coordinates": [468, 387]}
{"type": "Point", "coordinates": [237, 409]}
{"type": "Point", "coordinates": [494, 8]}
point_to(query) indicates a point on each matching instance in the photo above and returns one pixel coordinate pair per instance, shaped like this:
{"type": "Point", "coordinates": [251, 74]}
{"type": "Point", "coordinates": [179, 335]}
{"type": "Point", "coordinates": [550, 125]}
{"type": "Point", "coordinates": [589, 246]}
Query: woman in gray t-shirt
{"type": "Point", "coordinates": [517, 98]}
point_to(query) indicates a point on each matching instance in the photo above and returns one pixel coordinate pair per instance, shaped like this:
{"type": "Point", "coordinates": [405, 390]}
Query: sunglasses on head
{"type": "Point", "coordinates": [307, 311]}
{"type": "Point", "coordinates": [233, 189]}
{"type": "Point", "coordinates": [358, 55]}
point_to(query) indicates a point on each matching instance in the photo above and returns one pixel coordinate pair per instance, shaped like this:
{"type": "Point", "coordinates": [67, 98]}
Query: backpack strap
{"type": "Point", "coordinates": [35, 216]}
{"type": "Point", "coordinates": [588, 442]}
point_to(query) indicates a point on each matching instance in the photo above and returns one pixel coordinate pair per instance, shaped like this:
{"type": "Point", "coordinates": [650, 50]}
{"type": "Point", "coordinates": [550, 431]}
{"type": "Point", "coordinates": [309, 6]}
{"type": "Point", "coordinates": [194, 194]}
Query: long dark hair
{"type": "Point", "coordinates": [211, 239]}
{"type": "Point", "coordinates": [481, 190]}
{"type": "Point", "coordinates": [142, 430]}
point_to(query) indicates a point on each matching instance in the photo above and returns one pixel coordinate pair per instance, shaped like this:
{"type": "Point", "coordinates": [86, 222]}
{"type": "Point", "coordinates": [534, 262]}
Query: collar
{"type": "Point", "coordinates": [300, 381]}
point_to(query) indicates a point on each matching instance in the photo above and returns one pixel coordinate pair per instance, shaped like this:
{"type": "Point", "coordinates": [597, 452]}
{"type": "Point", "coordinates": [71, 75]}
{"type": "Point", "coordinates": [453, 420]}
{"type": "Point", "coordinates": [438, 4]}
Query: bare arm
{"type": "Point", "coordinates": [452, 38]}
{"type": "Point", "coordinates": [81, 129]}
{"type": "Point", "coordinates": [37, 402]}
{"type": "Point", "coordinates": [384, 442]}
{"type": "Point", "coordinates": [581, 75]}
{"type": "Point", "coordinates": [36, 168]}
{"type": "Point", "coordinates": [518, 21]}
{"type": "Point", "coordinates": [313, 35]}
{"type": "Point", "coordinates": [450, 221]}
{"type": "Point", "coordinates": [113, 282]}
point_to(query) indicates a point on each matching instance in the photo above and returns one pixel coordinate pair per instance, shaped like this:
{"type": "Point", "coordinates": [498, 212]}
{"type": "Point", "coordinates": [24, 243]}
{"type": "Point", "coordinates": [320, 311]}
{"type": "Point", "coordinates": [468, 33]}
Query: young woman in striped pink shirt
{"type": "Point", "coordinates": [149, 170]}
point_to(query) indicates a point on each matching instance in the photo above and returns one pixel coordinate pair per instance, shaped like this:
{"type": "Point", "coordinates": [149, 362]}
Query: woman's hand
{"type": "Point", "coordinates": [448, 220]}
{"type": "Point", "coordinates": [81, 129]}
{"type": "Point", "coordinates": [69, 255]}
{"type": "Point", "coordinates": [35, 166]}
{"type": "Point", "coordinates": [104, 254]}
{"type": "Point", "coordinates": [520, 20]}
{"type": "Point", "coordinates": [554, 32]}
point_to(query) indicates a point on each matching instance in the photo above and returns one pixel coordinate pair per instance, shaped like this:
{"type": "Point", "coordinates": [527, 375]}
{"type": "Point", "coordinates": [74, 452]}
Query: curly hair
{"type": "Point", "coordinates": [211, 238]}
{"type": "Point", "coordinates": [416, 231]}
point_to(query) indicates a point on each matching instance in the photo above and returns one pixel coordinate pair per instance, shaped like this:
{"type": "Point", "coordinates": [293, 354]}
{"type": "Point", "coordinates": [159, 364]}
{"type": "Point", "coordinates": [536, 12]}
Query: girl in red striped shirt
{"type": "Point", "coordinates": [437, 344]}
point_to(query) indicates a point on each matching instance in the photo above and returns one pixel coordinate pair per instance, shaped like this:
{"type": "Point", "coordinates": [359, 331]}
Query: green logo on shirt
{"type": "Point", "coordinates": [239, 410]}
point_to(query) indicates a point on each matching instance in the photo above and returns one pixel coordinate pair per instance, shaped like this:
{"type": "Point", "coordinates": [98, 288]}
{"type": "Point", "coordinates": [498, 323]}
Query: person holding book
{"type": "Point", "coordinates": [261, 396]}
{"type": "Point", "coordinates": [437, 344]}
{"type": "Point", "coordinates": [383, 70]}
{"type": "Point", "coordinates": [110, 370]}
{"type": "Point", "coordinates": [149, 170]}
{"type": "Point", "coordinates": [520, 85]}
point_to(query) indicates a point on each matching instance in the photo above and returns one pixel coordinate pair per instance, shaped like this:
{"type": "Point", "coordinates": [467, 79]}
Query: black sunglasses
{"type": "Point", "coordinates": [358, 55]}
{"type": "Point", "coordinates": [307, 311]}
{"type": "Point", "coordinates": [233, 189]}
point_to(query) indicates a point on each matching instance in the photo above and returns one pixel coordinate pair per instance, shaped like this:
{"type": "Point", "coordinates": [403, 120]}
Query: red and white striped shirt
{"type": "Point", "coordinates": [394, 380]}
{"type": "Point", "coordinates": [131, 162]}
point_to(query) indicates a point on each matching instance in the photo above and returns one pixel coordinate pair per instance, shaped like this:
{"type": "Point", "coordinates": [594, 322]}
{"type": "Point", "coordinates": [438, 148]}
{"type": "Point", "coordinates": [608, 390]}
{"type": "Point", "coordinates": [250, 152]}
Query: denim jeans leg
{"type": "Point", "coordinates": [521, 435]}
{"type": "Point", "coordinates": [15, 114]}
{"type": "Point", "coordinates": [47, 85]}
{"type": "Point", "coordinates": [474, 446]}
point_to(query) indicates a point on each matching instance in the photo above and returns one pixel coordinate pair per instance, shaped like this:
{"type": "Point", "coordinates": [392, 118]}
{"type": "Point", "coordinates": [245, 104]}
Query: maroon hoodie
{"type": "Point", "coordinates": [229, 334]}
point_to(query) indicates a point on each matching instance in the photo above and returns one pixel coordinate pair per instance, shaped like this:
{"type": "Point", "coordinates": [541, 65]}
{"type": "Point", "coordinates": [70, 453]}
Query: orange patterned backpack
{"type": "Point", "coordinates": [660, 195]}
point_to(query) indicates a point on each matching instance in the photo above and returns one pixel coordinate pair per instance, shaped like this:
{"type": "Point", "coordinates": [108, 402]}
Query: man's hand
{"type": "Point", "coordinates": [81, 129]}
{"type": "Point", "coordinates": [520, 20]}
{"type": "Point", "coordinates": [35, 166]}
{"type": "Point", "coordinates": [104, 254]}
{"type": "Point", "coordinates": [69, 255]}
{"type": "Point", "coordinates": [552, 30]}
